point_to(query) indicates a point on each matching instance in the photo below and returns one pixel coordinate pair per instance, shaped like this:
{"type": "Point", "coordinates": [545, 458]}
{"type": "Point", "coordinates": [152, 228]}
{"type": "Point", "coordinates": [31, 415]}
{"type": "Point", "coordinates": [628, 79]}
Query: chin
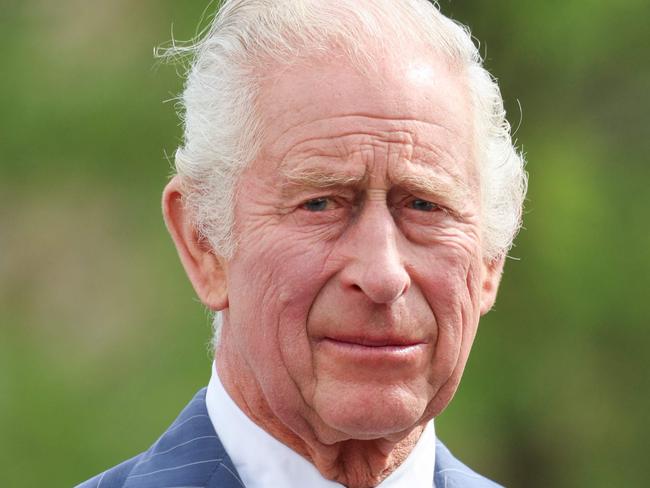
{"type": "Point", "coordinates": [370, 413]}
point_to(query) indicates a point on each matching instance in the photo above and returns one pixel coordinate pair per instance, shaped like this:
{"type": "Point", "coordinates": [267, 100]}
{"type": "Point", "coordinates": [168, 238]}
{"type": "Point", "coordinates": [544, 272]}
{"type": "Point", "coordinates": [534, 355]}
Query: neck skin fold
{"type": "Point", "coordinates": [351, 462]}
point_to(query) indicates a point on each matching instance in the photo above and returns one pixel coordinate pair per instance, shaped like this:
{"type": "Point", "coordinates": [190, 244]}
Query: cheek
{"type": "Point", "coordinates": [451, 289]}
{"type": "Point", "coordinates": [273, 285]}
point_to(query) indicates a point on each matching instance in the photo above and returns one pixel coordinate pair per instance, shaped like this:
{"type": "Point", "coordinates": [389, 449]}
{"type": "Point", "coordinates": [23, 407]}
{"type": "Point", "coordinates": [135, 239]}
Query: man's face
{"type": "Point", "coordinates": [356, 289]}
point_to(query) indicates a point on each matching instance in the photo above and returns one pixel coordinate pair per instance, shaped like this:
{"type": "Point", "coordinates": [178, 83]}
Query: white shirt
{"type": "Point", "coordinates": [262, 461]}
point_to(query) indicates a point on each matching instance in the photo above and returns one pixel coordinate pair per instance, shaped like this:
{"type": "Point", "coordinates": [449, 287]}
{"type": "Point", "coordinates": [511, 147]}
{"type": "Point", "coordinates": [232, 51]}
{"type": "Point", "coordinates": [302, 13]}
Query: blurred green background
{"type": "Point", "coordinates": [102, 340]}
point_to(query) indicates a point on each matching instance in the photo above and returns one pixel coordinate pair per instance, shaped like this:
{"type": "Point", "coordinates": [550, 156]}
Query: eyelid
{"type": "Point", "coordinates": [332, 202]}
{"type": "Point", "coordinates": [406, 200]}
{"type": "Point", "coordinates": [334, 194]}
{"type": "Point", "coordinates": [435, 206]}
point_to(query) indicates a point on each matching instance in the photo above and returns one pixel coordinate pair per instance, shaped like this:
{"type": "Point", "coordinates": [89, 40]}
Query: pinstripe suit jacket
{"type": "Point", "coordinates": [190, 455]}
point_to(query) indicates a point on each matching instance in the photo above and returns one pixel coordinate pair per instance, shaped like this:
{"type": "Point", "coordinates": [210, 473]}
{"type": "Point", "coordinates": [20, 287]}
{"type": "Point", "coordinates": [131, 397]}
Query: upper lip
{"type": "Point", "coordinates": [379, 341]}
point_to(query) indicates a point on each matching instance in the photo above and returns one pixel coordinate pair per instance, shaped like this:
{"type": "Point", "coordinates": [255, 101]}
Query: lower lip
{"type": "Point", "coordinates": [390, 353]}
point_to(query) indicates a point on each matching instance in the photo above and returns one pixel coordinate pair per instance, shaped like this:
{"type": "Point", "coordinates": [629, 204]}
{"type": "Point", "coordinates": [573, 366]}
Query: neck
{"type": "Point", "coordinates": [352, 462]}
{"type": "Point", "coordinates": [362, 464]}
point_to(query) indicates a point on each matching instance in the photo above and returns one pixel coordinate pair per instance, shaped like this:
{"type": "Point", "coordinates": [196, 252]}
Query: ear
{"type": "Point", "coordinates": [205, 269]}
{"type": "Point", "coordinates": [491, 277]}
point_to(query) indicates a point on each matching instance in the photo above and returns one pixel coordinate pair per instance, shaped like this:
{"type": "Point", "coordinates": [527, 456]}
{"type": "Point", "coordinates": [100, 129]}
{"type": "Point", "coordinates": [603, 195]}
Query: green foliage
{"type": "Point", "coordinates": [102, 340]}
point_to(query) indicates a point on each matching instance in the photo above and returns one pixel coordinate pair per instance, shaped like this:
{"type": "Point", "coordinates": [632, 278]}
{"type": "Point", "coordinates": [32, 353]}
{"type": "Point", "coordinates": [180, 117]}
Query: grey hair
{"type": "Point", "coordinates": [223, 130]}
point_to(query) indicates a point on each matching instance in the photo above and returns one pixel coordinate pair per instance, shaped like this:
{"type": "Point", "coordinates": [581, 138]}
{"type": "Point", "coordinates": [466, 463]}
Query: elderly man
{"type": "Point", "coordinates": [346, 194]}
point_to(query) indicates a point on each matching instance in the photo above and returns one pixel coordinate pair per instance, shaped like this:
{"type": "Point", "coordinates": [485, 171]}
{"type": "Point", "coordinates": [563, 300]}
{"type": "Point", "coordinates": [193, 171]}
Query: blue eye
{"type": "Point", "coordinates": [316, 204]}
{"type": "Point", "coordinates": [423, 205]}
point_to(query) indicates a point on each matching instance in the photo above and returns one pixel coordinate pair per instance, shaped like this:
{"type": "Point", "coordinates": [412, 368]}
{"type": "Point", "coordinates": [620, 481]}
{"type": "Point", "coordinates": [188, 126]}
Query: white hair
{"type": "Point", "coordinates": [223, 128]}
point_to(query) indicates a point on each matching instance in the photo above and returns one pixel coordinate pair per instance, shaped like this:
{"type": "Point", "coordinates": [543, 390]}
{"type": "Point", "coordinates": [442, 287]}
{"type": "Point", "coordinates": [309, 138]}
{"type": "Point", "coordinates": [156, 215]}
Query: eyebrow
{"type": "Point", "coordinates": [454, 193]}
{"type": "Point", "coordinates": [319, 178]}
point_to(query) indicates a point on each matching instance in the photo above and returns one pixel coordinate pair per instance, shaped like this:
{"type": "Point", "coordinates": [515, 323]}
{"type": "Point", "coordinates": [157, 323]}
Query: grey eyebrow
{"type": "Point", "coordinates": [319, 178]}
{"type": "Point", "coordinates": [454, 194]}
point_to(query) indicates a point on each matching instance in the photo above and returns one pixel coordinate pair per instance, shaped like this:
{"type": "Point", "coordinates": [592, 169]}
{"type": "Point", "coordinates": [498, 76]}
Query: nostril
{"type": "Point", "coordinates": [356, 287]}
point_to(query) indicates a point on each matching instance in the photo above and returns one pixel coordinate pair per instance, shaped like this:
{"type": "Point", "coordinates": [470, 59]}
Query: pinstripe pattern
{"type": "Point", "coordinates": [190, 455]}
{"type": "Point", "coordinates": [187, 455]}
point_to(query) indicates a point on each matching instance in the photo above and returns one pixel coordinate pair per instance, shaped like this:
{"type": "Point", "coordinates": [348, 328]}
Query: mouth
{"type": "Point", "coordinates": [377, 350]}
{"type": "Point", "coordinates": [374, 342]}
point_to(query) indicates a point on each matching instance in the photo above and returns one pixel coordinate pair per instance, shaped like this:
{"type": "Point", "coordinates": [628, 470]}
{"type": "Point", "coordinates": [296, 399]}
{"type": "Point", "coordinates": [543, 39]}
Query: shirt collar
{"type": "Point", "coordinates": [261, 460]}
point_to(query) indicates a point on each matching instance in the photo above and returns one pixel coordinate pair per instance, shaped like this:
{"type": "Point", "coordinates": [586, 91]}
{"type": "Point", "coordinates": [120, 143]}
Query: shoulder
{"type": "Point", "coordinates": [189, 453]}
{"type": "Point", "coordinates": [112, 478]}
{"type": "Point", "coordinates": [451, 473]}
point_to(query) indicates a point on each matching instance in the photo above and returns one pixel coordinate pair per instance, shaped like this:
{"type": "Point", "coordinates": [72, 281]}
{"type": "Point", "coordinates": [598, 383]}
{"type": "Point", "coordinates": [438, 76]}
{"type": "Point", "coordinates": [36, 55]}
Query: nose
{"type": "Point", "coordinates": [374, 266]}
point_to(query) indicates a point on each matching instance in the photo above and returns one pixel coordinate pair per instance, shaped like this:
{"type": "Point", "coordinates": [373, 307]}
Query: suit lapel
{"type": "Point", "coordinates": [188, 454]}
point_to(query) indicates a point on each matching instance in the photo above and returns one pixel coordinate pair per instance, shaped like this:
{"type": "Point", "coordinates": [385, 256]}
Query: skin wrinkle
{"type": "Point", "coordinates": [308, 454]}
{"type": "Point", "coordinates": [262, 420]}
{"type": "Point", "coordinates": [454, 378]}
{"type": "Point", "coordinates": [327, 234]}
{"type": "Point", "coordinates": [441, 325]}
{"type": "Point", "coordinates": [413, 138]}
{"type": "Point", "coordinates": [352, 116]}
{"type": "Point", "coordinates": [423, 183]}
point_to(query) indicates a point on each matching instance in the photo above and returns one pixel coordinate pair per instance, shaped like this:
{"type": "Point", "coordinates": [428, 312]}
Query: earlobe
{"type": "Point", "coordinates": [491, 277]}
{"type": "Point", "coordinates": [206, 270]}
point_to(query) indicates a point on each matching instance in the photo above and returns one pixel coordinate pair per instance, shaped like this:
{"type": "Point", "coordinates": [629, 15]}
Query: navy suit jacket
{"type": "Point", "coordinates": [190, 455]}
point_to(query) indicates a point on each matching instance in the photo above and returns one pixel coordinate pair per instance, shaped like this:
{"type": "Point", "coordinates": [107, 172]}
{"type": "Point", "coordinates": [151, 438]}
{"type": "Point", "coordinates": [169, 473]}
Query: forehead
{"type": "Point", "coordinates": [417, 107]}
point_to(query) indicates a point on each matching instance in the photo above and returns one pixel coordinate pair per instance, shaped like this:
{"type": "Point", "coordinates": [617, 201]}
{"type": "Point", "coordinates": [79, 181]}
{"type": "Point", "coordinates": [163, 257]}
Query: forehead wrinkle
{"type": "Point", "coordinates": [345, 138]}
{"type": "Point", "coordinates": [426, 153]}
{"type": "Point", "coordinates": [368, 120]}
{"type": "Point", "coordinates": [344, 148]}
